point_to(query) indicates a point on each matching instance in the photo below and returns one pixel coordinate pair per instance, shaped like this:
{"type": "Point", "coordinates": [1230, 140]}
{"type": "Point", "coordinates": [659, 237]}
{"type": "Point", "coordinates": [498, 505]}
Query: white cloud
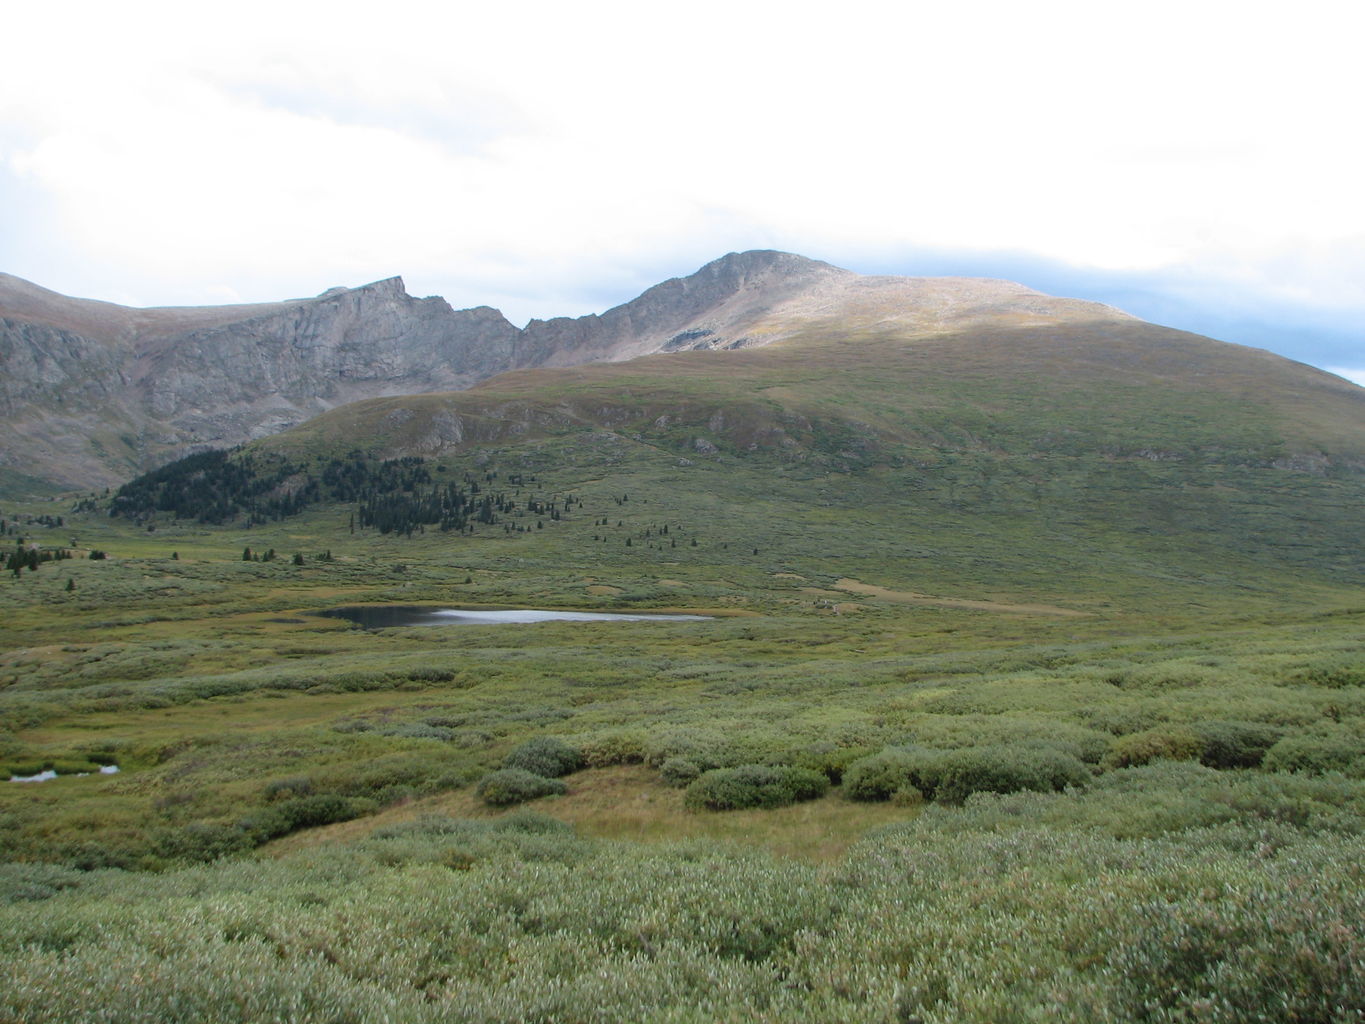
{"type": "Point", "coordinates": [539, 155]}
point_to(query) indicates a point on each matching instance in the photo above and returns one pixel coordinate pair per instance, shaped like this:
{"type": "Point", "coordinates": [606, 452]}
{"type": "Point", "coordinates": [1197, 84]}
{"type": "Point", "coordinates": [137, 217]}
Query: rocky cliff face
{"type": "Point", "coordinates": [709, 309]}
{"type": "Point", "coordinates": [375, 340]}
{"type": "Point", "coordinates": [93, 393]}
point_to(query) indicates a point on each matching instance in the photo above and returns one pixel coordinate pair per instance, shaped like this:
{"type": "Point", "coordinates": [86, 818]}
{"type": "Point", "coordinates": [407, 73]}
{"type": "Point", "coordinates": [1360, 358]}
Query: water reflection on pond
{"type": "Point", "coordinates": [389, 616]}
{"type": "Point", "coordinates": [47, 774]}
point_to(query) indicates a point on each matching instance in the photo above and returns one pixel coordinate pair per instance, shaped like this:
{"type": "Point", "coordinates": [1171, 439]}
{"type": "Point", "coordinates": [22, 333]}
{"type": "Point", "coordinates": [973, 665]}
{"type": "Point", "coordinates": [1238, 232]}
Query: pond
{"type": "Point", "coordinates": [391, 615]}
{"type": "Point", "coordinates": [48, 775]}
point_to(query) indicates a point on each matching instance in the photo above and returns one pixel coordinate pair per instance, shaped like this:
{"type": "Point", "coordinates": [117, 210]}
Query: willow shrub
{"type": "Point", "coordinates": [1164, 743]}
{"type": "Point", "coordinates": [509, 786]}
{"type": "Point", "coordinates": [882, 775]}
{"type": "Point", "coordinates": [548, 756]}
{"type": "Point", "coordinates": [954, 775]}
{"type": "Point", "coordinates": [1235, 744]}
{"type": "Point", "coordinates": [303, 812]}
{"type": "Point", "coordinates": [1337, 751]}
{"type": "Point", "coordinates": [1215, 744]}
{"type": "Point", "coordinates": [611, 747]}
{"type": "Point", "coordinates": [679, 772]}
{"type": "Point", "coordinates": [947, 919]}
{"type": "Point", "coordinates": [753, 785]}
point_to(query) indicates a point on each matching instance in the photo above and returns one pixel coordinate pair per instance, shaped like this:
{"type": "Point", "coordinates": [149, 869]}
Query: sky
{"type": "Point", "coordinates": [1199, 164]}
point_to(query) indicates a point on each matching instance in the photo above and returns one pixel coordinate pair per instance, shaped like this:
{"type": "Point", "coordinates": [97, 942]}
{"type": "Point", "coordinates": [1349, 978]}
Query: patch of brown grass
{"type": "Point", "coordinates": [630, 803]}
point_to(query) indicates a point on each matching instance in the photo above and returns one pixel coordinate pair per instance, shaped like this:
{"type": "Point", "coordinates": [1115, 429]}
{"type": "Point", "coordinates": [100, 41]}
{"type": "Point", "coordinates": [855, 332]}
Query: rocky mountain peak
{"type": "Point", "coordinates": [94, 392]}
{"type": "Point", "coordinates": [389, 287]}
{"type": "Point", "coordinates": [761, 262]}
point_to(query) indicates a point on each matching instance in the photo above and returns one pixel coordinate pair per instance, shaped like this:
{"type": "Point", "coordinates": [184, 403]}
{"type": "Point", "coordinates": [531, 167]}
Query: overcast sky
{"type": "Point", "coordinates": [1198, 164]}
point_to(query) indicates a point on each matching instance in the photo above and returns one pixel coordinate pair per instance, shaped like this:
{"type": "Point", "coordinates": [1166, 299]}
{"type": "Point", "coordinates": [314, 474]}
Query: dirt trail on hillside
{"type": "Point", "coordinates": [853, 586]}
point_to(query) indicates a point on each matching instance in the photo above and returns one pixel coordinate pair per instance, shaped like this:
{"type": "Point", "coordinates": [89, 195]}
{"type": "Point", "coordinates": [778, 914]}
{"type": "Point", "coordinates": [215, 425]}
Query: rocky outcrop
{"type": "Point", "coordinates": [713, 306]}
{"type": "Point", "coordinates": [357, 343]}
{"type": "Point", "coordinates": [48, 366]}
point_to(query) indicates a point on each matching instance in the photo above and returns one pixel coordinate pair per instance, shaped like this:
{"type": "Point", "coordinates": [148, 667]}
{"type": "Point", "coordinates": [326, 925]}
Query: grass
{"type": "Point", "coordinates": [628, 803]}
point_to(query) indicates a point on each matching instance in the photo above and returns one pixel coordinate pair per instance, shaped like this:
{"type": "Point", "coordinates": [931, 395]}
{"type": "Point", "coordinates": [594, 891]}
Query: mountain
{"type": "Point", "coordinates": [94, 393]}
{"type": "Point", "coordinates": [914, 366]}
{"type": "Point", "coordinates": [945, 436]}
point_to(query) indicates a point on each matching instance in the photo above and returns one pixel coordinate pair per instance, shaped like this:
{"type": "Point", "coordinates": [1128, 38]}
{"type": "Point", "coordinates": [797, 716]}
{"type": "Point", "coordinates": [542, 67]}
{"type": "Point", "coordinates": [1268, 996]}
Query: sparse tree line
{"type": "Point", "coordinates": [11, 526]}
{"type": "Point", "coordinates": [30, 556]}
{"type": "Point", "coordinates": [393, 496]}
{"type": "Point", "coordinates": [401, 496]}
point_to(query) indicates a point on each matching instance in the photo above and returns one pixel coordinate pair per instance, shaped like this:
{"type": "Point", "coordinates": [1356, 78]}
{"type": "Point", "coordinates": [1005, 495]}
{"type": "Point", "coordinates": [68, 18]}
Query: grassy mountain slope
{"type": "Point", "coordinates": [1093, 450]}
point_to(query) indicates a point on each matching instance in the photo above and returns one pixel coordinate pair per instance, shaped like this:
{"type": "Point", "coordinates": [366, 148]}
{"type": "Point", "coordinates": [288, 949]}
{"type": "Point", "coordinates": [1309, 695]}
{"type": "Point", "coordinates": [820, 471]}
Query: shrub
{"type": "Point", "coordinates": [548, 756]}
{"type": "Point", "coordinates": [1120, 721]}
{"type": "Point", "coordinates": [509, 786]}
{"type": "Point", "coordinates": [954, 775]}
{"type": "Point", "coordinates": [385, 776]}
{"type": "Point", "coordinates": [1179, 674]}
{"type": "Point", "coordinates": [881, 776]}
{"type": "Point", "coordinates": [72, 766]}
{"type": "Point", "coordinates": [32, 883]}
{"type": "Point", "coordinates": [605, 749]}
{"type": "Point", "coordinates": [303, 812]}
{"type": "Point", "coordinates": [1331, 674]}
{"type": "Point", "coordinates": [1001, 769]}
{"type": "Point", "coordinates": [1315, 755]}
{"type": "Point", "coordinates": [532, 823]}
{"type": "Point", "coordinates": [1234, 744]}
{"type": "Point", "coordinates": [705, 748]}
{"type": "Point", "coordinates": [431, 675]}
{"type": "Point", "coordinates": [679, 772]}
{"type": "Point", "coordinates": [753, 785]}
{"type": "Point", "coordinates": [283, 789]}
{"type": "Point", "coordinates": [1261, 951]}
{"type": "Point", "coordinates": [831, 760]}
{"type": "Point", "coordinates": [419, 731]}
{"type": "Point", "coordinates": [1169, 743]}
{"type": "Point", "coordinates": [200, 841]}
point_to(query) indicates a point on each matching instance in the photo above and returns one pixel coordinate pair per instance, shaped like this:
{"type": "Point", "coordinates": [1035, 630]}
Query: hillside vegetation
{"type": "Point", "coordinates": [1033, 689]}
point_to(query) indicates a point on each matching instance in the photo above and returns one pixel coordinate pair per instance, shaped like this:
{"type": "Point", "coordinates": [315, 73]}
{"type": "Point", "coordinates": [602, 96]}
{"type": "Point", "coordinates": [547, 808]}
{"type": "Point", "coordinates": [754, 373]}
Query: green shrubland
{"type": "Point", "coordinates": [947, 918]}
{"type": "Point", "coordinates": [1123, 764]}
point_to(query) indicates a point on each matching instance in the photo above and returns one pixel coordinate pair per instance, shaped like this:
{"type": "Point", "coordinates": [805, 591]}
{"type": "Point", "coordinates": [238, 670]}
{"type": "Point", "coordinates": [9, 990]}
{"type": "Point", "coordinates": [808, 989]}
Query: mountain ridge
{"type": "Point", "coordinates": [95, 393]}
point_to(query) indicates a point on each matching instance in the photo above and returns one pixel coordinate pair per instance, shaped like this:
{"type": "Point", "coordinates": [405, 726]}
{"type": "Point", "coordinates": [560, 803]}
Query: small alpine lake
{"type": "Point", "coordinates": [389, 616]}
